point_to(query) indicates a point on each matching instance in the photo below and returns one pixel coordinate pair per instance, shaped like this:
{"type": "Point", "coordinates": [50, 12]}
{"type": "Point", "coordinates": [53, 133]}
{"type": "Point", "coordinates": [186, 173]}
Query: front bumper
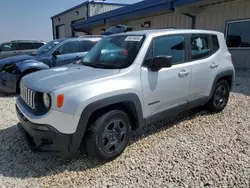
{"type": "Point", "coordinates": [8, 82]}
{"type": "Point", "coordinates": [44, 138]}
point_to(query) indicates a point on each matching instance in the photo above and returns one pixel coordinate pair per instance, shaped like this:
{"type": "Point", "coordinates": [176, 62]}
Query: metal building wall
{"type": "Point", "coordinates": [67, 18]}
{"type": "Point", "coordinates": [215, 18]}
{"type": "Point", "coordinates": [101, 8]}
{"type": "Point", "coordinates": [177, 21]}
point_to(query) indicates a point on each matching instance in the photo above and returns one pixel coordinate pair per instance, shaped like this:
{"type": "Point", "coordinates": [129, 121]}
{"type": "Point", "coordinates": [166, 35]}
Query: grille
{"type": "Point", "coordinates": [28, 96]}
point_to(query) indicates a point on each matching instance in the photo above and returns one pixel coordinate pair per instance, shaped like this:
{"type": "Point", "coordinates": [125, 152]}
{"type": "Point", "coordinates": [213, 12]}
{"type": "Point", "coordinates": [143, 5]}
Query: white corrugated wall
{"type": "Point", "coordinates": [215, 17]}
{"type": "Point", "coordinates": [101, 8]}
{"type": "Point", "coordinates": [177, 21]}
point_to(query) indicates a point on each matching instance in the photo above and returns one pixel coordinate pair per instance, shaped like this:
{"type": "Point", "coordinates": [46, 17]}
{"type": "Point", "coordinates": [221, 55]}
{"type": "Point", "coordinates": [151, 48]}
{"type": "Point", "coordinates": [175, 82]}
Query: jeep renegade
{"type": "Point", "coordinates": [125, 82]}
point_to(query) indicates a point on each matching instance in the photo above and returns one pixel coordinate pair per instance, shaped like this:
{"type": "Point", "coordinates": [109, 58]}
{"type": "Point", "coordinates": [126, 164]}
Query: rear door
{"type": "Point", "coordinates": [25, 48]}
{"type": "Point", "coordinates": [7, 50]}
{"type": "Point", "coordinates": [69, 52]}
{"type": "Point", "coordinates": [204, 62]}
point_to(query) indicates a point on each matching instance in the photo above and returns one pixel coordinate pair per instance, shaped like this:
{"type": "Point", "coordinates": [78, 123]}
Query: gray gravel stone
{"type": "Point", "coordinates": [193, 149]}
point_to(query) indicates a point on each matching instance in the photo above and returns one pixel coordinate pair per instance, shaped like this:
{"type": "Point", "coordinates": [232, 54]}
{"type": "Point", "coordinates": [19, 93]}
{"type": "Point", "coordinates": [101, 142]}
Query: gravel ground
{"type": "Point", "coordinates": [194, 149]}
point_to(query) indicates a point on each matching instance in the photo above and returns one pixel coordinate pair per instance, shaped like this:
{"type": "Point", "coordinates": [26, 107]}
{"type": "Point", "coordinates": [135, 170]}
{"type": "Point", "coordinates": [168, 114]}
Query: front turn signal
{"type": "Point", "coordinates": [60, 100]}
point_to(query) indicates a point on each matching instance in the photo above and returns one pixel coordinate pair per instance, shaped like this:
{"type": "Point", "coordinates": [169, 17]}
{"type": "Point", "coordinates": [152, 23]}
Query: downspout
{"type": "Point", "coordinates": [193, 19]}
{"type": "Point", "coordinates": [87, 16]}
{"type": "Point", "coordinates": [53, 29]}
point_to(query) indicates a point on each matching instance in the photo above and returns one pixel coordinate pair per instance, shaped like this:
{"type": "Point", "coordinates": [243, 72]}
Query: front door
{"type": "Point", "coordinates": [67, 53]}
{"type": "Point", "coordinates": [167, 88]}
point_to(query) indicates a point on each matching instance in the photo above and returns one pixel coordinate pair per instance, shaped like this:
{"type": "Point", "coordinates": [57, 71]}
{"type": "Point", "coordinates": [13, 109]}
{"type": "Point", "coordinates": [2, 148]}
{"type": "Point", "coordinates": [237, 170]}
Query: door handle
{"type": "Point", "coordinates": [183, 73]}
{"type": "Point", "coordinates": [214, 65]}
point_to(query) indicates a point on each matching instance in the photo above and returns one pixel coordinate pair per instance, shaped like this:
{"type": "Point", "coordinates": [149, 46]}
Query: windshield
{"type": "Point", "coordinates": [47, 47]}
{"type": "Point", "coordinates": [114, 52]}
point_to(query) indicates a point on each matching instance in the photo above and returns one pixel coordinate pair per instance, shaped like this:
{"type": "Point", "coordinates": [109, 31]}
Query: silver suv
{"type": "Point", "coordinates": [125, 82]}
{"type": "Point", "coordinates": [19, 47]}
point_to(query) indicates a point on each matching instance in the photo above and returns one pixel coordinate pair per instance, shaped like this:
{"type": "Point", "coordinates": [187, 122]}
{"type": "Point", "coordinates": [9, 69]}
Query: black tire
{"type": "Point", "coordinates": [220, 97]}
{"type": "Point", "coordinates": [108, 136]}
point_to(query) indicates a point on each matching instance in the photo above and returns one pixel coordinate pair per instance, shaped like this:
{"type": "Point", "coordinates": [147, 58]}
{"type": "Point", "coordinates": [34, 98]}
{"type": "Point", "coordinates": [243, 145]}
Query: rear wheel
{"type": "Point", "coordinates": [108, 136]}
{"type": "Point", "coordinates": [220, 97]}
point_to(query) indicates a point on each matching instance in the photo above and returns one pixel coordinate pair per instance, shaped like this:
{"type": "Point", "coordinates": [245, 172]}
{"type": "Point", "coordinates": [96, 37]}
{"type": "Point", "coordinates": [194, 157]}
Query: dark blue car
{"type": "Point", "coordinates": [55, 53]}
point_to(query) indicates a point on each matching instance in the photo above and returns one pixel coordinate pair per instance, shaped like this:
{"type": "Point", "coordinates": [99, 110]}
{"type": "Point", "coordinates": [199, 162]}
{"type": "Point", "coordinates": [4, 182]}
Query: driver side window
{"type": "Point", "coordinates": [8, 47]}
{"type": "Point", "coordinates": [68, 48]}
{"type": "Point", "coordinates": [170, 46]}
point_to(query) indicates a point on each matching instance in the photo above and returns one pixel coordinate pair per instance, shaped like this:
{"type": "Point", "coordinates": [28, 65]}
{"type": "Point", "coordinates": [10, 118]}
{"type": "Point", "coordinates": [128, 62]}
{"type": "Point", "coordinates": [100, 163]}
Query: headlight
{"type": "Point", "coordinates": [46, 100]}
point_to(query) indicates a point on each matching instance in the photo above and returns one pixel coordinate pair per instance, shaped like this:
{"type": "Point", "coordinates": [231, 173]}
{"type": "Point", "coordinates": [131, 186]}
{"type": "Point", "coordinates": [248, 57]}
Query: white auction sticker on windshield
{"type": "Point", "coordinates": [134, 38]}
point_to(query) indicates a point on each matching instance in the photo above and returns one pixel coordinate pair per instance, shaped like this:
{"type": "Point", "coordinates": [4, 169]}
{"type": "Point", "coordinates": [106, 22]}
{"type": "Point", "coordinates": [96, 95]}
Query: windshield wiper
{"type": "Point", "coordinates": [95, 65]}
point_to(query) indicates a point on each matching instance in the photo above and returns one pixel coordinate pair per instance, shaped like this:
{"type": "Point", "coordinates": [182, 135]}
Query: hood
{"type": "Point", "coordinates": [52, 79]}
{"type": "Point", "coordinates": [15, 59]}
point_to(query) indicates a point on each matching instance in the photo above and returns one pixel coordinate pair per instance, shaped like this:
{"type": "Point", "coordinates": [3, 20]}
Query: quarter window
{"type": "Point", "coordinates": [38, 45]}
{"type": "Point", "coordinates": [8, 47]}
{"type": "Point", "coordinates": [25, 46]}
{"type": "Point", "coordinates": [69, 48]}
{"type": "Point", "coordinates": [215, 43]}
{"type": "Point", "coordinates": [238, 34]}
{"type": "Point", "coordinates": [170, 46]}
{"type": "Point", "coordinates": [87, 45]}
{"type": "Point", "coordinates": [199, 46]}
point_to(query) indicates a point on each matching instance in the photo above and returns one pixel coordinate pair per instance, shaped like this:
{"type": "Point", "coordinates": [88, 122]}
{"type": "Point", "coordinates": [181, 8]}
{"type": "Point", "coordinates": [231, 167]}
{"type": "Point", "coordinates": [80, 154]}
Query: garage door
{"type": "Point", "coordinates": [61, 33]}
{"type": "Point", "coordinates": [238, 40]}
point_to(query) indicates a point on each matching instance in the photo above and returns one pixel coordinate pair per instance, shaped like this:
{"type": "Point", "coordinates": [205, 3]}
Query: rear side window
{"type": "Point", "coordinates": [170, 46]}
{"type": "Point", "coordinates": [38, 44]}
{"type": "Point", "coordinates": [69, 48]}
{"type": "Point", "coordinates": [25, 46]}
{"type": "Point", "coordinates": [199, 46]}
{"type": "Point", "coordinates": [215, 41]}
{"type": "Point", "coordinates": [86, 45]}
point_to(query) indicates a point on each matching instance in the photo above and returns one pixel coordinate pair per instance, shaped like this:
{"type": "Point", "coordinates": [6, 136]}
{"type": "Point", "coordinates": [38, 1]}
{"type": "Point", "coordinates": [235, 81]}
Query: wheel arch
{"type": "Point", "coordinates": [227, 75]}
{"type": "Point", "coordinates": [129, 102]}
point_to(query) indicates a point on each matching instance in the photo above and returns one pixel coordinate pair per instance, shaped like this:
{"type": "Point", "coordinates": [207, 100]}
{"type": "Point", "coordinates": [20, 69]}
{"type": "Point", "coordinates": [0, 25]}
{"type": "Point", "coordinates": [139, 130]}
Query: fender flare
{"type": "Point", "coordinates": [91, 108]}
{"type": "Point", "coordinates": [31, 64]}
{"type": "Point", "coordinates": [219, 76]}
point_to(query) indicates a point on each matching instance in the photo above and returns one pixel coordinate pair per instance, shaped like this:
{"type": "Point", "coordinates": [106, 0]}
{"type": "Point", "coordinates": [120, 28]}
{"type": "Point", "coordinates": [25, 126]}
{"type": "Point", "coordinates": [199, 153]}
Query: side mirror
{"type": "Point", "coordinates": [160, 62]}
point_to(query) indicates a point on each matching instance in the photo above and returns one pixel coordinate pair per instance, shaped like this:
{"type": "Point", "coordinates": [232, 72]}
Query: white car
{"type": "Point", "coordinates": [125, 82]}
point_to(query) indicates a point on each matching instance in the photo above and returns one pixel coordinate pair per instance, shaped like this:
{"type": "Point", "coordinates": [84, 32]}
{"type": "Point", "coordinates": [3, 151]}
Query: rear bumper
{"type": "Point", "coordinates": [44, 138]}
{"type": "Point", "coordinates": [8, 82]}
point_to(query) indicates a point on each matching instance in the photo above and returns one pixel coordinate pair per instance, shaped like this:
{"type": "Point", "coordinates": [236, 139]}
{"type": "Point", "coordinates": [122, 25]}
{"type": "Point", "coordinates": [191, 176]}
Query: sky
{"type": "Point", "coordinates": [30, 19]}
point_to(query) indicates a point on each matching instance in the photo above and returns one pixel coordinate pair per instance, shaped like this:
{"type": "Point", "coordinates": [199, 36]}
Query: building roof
{"type": "Point", "coordinates": [89, 2]}
{"type": "Point", "coordinates": [130, 12]}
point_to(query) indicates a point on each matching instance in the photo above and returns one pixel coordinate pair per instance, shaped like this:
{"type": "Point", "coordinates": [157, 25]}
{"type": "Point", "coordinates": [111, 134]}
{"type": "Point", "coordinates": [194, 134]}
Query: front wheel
{"type": "Point", "coordinates": [220, 97]}
{"type": "Point", "coordinates": [108, 136]}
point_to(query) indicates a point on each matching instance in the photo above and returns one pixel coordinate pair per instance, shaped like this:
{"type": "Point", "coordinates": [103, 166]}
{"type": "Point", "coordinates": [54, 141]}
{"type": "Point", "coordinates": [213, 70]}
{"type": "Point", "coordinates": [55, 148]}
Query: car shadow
{"type": "Point", "coordinates": [6, 95]}
{"type": "Point", "coordinates": [19, 162]}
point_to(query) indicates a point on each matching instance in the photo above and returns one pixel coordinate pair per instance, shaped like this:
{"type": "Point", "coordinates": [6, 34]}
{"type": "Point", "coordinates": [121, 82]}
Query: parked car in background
{"type": "Point", "coordinates": [19, 47]}
{"type": "Point", "coordinates": [125, 82]}
{"type": "Point", "coordinates": [55, 53]}
{"type": "Point", "coordinates": [117, 29]}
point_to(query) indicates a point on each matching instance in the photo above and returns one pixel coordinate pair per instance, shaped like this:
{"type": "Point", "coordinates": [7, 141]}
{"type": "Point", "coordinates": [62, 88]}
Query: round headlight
{"type": "Point", "coordinates": [46, 100]}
